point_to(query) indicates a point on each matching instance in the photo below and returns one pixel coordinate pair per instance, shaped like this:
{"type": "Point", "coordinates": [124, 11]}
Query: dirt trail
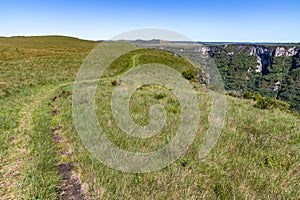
{"type": "Point", "coordinates": [18, 154]}
{"type": "Point", "coordinates": [71, 187]}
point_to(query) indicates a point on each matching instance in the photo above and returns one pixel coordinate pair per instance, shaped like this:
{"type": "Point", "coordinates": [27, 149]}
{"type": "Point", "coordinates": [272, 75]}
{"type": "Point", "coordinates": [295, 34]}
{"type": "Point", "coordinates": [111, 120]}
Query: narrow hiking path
{"type": "Point", "coordinates": [71, 185]}
{"type": "Point", "coordinates": [134, 59]}
{"type": "Point", "coordinates": [18, 155]}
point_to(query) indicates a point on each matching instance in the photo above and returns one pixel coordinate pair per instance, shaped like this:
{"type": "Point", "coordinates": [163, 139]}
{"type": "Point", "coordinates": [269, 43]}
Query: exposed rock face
{"type": "Point", "coordinates": [276, 51]}
{"type": "Point", "coordinates": [259, 66]}
{"type": "Point", "coordinates": [271, 70]}
{"type": "Point", "coordinates": [203, 50]}
{"type": "Point", "coordinates": [264, 54]}
{"type": "Point", "coordinates": [282, 51]}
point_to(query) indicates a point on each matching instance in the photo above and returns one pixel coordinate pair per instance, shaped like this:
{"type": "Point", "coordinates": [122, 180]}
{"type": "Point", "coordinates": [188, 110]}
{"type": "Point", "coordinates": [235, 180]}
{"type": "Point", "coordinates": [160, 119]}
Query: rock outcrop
{"type": "Point", "coordinates": [263, 53]}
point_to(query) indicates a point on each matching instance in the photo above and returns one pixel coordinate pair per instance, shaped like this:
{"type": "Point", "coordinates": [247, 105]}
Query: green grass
{"type": "Point", "coordinates": [256, 157]}
{"type": "Point", "coordinates": [29, 68]}
{"type": "Point", "coordinates": [145, 56]}
{"type": "Point", "coordinates": [41, 179]}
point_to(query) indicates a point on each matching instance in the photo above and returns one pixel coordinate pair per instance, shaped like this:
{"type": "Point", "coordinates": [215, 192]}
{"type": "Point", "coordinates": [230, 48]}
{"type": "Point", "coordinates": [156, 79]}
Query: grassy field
{"type": "Point", "coordinates": [42, 157]}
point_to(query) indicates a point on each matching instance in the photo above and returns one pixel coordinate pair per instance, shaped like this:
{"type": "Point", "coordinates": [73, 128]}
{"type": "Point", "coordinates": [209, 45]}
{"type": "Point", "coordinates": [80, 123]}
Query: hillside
{"type": "Point", "coordinates": [271, 69]}
{"type": "Point", "coordinates": [42, 156]}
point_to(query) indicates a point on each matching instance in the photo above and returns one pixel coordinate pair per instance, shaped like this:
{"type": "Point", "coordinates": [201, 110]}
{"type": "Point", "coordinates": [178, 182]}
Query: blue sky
{"type": "Point", "coordinates": [212, 20]}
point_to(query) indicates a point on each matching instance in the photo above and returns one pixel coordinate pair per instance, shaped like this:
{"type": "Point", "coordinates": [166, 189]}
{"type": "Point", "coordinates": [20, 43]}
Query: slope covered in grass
{"type": "Point", "coordinates": [256, 157]}
{"type": "Point", "coordinates": [35, 61]}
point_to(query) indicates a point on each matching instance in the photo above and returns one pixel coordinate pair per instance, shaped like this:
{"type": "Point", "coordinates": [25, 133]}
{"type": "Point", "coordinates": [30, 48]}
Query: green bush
{"type": "Point", "coordinates": [189, 74]}
{"type": "Point", "coordinates": [114, 83]}
{"type": "Point", "coordinates": [252, 95]}
{"type": "Point", "coordinates": [266, 102]}
{"type": "Point", "coordinates": [160, 96]}
{"type": "Point", "coordinates": [237, 94]}
{"type": "Point", "coordinates": [271, 103]}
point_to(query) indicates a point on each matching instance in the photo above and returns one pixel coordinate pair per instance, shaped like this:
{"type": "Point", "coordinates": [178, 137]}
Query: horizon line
{"type": "Point", "coordinates": [195, 41]}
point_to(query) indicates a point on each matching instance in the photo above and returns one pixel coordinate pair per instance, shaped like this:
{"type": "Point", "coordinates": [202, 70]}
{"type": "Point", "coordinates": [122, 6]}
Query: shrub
{"type": "Point", "coordinates": [189, 74]}
{"type": "Point", "coordinates": [271, 103]}
{"type": "Point", "coordinates": [160, 96]}
{"type": "Point", "coordinates": [114, 83]}
{"type": "Point", "coordinates": [252, 95]}
{"type": "Point", "coordinates": [231, 94]}
{"type": "Point", "coordinates": [266, 102]}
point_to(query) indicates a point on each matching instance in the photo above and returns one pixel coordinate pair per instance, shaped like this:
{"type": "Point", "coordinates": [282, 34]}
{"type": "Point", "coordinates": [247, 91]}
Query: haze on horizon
{"type": "Point", "coordinates": [210, 21]}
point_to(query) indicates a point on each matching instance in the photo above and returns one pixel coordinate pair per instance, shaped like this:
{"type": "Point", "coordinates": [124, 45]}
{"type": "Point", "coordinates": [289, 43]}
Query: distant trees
{"type": "Point", "coordinates": [238, 70]}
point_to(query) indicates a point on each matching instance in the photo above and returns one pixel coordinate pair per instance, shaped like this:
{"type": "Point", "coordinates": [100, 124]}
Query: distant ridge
{"type": "Point", "coordinates": [158, 41]}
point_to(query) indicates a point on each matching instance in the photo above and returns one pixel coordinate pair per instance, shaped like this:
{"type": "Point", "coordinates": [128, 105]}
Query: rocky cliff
{"type": "Point", "coordinates": [273, 70]}
{"type": "Point", "coordinates": [263, 53]}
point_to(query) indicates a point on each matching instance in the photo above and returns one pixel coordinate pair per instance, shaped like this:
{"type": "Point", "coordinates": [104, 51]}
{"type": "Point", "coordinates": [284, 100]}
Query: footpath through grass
{"type": "Point", "coordinates": [257, 155]}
